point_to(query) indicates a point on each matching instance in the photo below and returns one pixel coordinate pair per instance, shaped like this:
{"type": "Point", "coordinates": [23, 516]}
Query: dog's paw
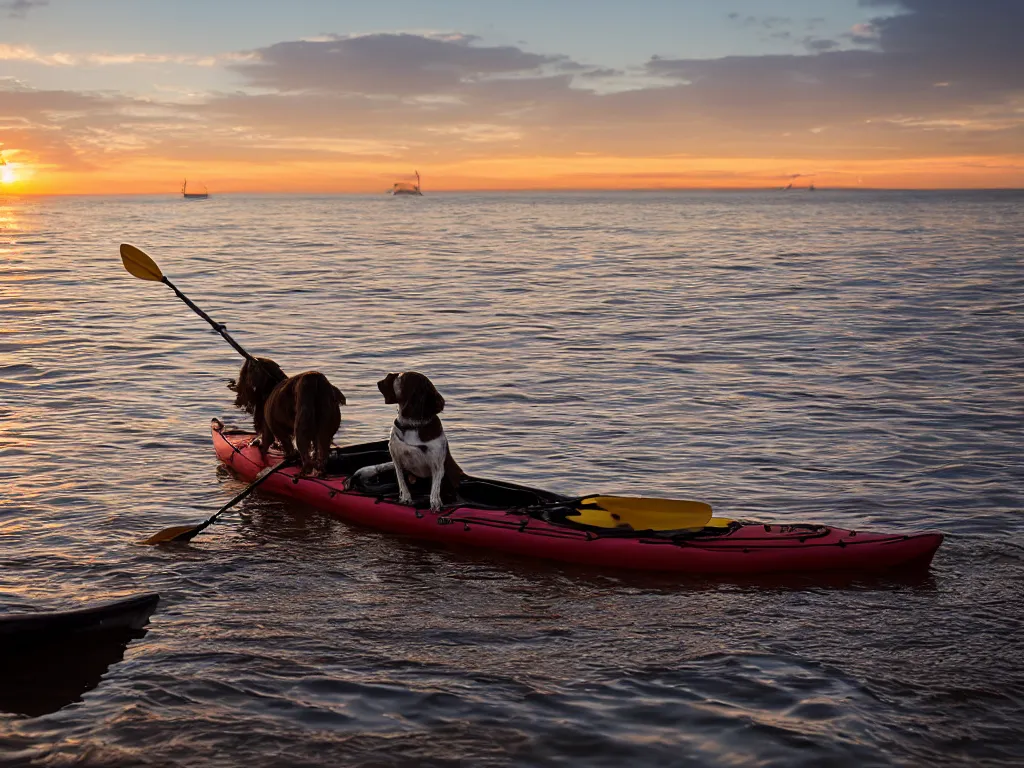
{"type": "Point", "coordinates": [405, 498]}
{"type": "Point", "coordinates": [435, 504]}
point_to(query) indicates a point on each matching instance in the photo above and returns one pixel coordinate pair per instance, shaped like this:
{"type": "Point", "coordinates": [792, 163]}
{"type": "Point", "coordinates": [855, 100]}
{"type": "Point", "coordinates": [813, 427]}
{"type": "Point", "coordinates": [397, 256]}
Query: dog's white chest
{"type": "Point", "coordinates": [421, 458]}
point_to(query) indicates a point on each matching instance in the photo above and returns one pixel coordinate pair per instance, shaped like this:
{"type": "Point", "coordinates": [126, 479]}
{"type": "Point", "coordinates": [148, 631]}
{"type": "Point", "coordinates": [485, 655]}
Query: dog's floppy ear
{"type": "Point", "coordinates": [431, 402]}
{"type": "Point", "coordinates": [339, 394]}
{"type": "Point", "coordinates": [387, 388]}
{"type": "Point", "coordinates": [438, 400]}
{"type": "Point", "coordinates": [243, 377]}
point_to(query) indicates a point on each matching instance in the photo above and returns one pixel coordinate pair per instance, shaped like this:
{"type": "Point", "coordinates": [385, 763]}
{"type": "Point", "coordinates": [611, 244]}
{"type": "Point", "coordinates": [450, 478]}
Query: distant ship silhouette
{"type": "Point", "coordinates": [193, 195]}
{"type": "Point", "coordinates": [810, 187]}
{"type": "Point", "coordinates": [407, 187]}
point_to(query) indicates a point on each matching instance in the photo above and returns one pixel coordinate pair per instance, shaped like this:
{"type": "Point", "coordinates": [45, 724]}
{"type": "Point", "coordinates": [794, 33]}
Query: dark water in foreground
{"type": "Point", "coordinates": [853, 358]}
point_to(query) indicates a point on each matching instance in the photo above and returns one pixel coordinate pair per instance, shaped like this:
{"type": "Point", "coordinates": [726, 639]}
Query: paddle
{"type": "Point", "coordinates": [139, 264]}
{"type": "Point", "coordinates": [640, 514]}
{"type": "Point", "coordinates": [183, 533]}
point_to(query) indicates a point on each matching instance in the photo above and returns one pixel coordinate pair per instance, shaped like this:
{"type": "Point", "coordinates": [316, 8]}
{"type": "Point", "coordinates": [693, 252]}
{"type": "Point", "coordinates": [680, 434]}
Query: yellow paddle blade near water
{"type": "Point", "coordinates": [642, 514]}
{"type": "Point", "coordinates": [169, 534]}
{"type": "Point", "coordinates": [139, 264]}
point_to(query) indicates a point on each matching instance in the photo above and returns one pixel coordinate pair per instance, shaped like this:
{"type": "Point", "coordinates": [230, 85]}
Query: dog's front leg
{"type": "Point", "coordinates": [435, 489]}
{"type": "Point", "coordinates": [404, 494]}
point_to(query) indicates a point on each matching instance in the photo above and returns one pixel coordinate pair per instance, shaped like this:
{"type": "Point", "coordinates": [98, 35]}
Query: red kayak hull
{"type": "Point", "coordinates": [751, 549]}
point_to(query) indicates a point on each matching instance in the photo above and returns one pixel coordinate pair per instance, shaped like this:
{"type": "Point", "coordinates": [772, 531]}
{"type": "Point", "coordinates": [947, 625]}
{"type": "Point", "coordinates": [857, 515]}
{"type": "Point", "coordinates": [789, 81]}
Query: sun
{"type": "Point", "coordinates": [7, 175]}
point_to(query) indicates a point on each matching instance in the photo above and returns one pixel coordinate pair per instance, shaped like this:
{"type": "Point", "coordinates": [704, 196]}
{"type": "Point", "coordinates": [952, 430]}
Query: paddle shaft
{"type": "Point", "coordinates": [219, 328]}
{"type": "Point", "coordinates": [260, 479]}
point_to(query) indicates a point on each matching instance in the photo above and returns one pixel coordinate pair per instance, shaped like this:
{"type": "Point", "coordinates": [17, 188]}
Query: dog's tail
{"type": "Point", "coordinates": [311, 394]}
{"type": "Point", "coordinates": [315, 399]}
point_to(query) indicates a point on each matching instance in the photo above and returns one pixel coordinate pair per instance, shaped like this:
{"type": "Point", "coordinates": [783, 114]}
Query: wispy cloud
{"type": "Point", "coordinates": [386, 64]}
{"type": "Point", "coordinates": [29, 54]}
{"type": "Point", "coordinates": [17, 9]}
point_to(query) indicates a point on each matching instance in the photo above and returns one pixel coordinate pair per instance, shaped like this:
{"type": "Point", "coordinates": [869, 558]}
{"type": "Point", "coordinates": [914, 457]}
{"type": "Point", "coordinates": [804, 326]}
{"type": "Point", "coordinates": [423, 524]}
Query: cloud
{"type": "Point", "coordinates": [602, 72]}
{"type": "Point", "coordinates": [387, 64]}
{"type": "Point", "coordinates": [28, 54]}
{"type": "Point", "coordinates": [17, 9]}
{"type": "Point", "coordinates": [970, 44]}
{"type": "Point", "coordinates": [818, 45]}
{"type": "Point", "coordinates": [762, 22]}
{"type": "Point", "coordinates": [863, 34]}
{"type": "Point", "coordinates": [974, 44]}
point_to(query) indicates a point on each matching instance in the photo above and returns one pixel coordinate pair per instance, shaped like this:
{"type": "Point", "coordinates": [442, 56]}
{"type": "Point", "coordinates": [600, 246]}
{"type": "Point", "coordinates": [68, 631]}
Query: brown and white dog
{"type": "Point", "coordinates": [302, 413]}
{"type": "Point", "coordinates": [418, 444]}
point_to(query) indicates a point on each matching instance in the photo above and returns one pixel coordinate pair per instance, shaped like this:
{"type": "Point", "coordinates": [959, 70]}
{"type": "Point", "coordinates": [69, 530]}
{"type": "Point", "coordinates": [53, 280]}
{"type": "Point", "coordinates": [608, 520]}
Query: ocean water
{"type": "Point", "coordinates": [854, 358]}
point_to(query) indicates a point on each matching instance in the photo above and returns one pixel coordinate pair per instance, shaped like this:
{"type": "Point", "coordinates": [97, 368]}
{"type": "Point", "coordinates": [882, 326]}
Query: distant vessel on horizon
{"type": "Point", "coordinates": [193, 195]}
{"type": "Point", "coordinates": [407, 187]}
{"type": "Point", "coordinates": [810, 187]}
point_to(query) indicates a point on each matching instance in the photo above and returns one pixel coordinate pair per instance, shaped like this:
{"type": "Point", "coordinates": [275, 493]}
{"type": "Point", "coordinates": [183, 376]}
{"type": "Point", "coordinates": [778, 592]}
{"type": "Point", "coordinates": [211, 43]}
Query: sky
{"type": "Point", "coordinates": [133, 96]}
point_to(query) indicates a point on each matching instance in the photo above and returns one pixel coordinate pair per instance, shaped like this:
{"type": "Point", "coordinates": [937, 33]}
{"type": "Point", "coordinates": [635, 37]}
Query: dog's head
{"type": "Point", "coordinates": [415, 395]}
{"type": "Point", "coordinates": [255, 383]}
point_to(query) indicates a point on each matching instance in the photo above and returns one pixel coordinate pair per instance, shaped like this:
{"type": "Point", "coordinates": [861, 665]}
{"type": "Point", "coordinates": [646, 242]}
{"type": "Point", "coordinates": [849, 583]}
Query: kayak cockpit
{"type": "Point", "coordinates": [473, 491]}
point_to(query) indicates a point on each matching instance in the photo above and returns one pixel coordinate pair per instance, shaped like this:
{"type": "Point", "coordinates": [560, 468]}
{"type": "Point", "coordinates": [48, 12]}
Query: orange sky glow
{"type": "Point", "coordinates": [154, 175]}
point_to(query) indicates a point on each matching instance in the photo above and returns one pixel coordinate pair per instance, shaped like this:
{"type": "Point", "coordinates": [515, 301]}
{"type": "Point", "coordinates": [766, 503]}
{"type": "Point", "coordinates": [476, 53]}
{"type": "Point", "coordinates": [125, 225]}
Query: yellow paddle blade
{"type": "Point", "coordinates": [642, 514]}
{"type": "Point", "coordinates": [139, 264]}
{"type": "Point", "coordinates": [169, 534]}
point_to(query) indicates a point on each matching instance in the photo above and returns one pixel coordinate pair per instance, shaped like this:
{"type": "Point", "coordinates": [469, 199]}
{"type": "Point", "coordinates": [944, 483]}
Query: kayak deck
{"type": "Point", "coordinates": [121, 615]}
{"type": "Point", "coordinates": [496, 515]}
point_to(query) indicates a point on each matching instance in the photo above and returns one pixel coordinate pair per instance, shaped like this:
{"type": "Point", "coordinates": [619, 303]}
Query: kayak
{"type": "Point", "coordinates": [49, 660]}
{"type": "Point", "coordinates": [116, 617]}
{"type": "Point", "coordinates": [517, 520]}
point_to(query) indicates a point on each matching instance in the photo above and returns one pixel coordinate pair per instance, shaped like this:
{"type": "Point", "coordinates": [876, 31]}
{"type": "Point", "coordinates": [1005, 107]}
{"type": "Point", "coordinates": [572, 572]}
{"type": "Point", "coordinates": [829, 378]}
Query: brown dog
{"type": "Point", "coordinates": [254, 384]}
{"type": "Point", "coordinates": [302, 413]}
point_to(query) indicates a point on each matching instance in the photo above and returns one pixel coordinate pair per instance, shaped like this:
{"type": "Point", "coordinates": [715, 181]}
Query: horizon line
{"type": "Point", "coordinates": [517, 190]}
